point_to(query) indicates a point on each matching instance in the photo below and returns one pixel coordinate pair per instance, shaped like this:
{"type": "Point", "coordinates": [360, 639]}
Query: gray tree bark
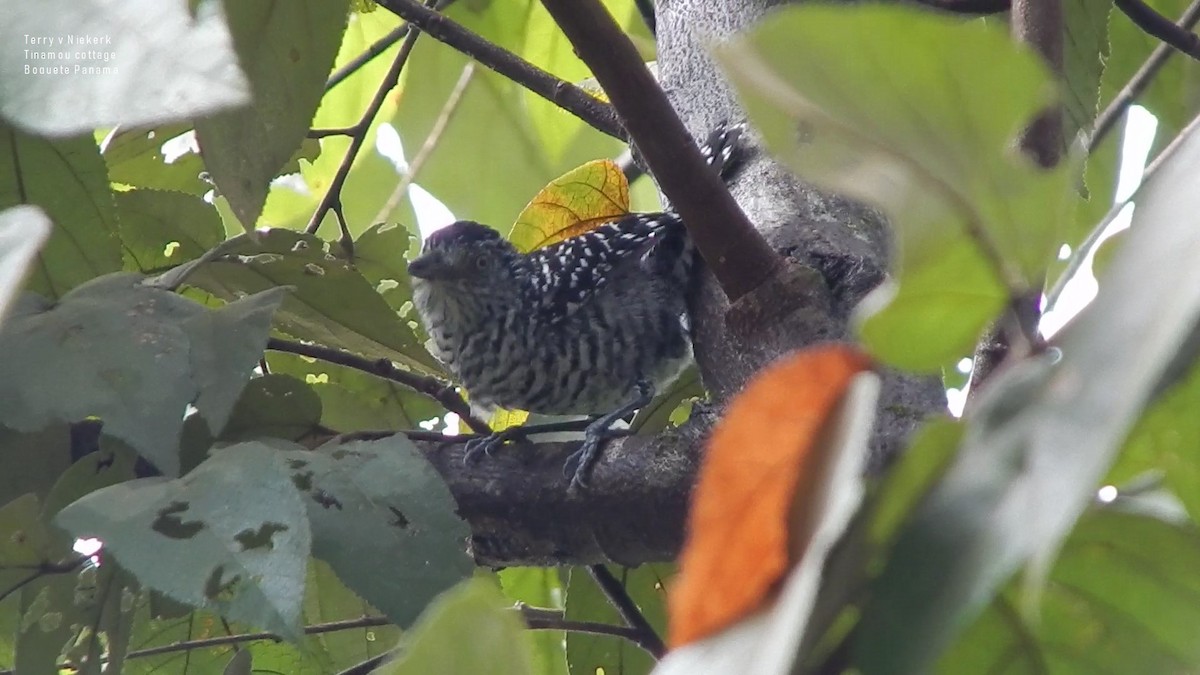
{"type": "Point", "coordinates": [836, 251]}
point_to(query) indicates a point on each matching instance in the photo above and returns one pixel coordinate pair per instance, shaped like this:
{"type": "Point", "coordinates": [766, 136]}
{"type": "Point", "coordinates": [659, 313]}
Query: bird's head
{"type": "Point", "coordinates": [467, 257]}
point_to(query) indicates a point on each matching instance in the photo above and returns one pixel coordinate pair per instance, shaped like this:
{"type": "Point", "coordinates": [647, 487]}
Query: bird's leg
{"type": "Point", "coordinates": [599, 431]}
{"type": "Point", "coordinates": [489, 442]}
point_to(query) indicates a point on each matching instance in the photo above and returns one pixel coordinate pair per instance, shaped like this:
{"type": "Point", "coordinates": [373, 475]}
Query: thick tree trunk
{"type": "Point", "coordinates": [837, 250]}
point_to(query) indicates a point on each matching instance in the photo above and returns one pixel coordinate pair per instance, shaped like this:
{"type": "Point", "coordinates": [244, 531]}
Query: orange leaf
{"type": "Point", "coordinates": [574, 203]}
{"type": "Point", "coordinates": [761, 467]}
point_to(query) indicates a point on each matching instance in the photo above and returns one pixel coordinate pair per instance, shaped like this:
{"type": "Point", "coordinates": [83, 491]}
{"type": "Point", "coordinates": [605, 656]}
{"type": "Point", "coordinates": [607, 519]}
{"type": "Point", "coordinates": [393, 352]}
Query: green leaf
{"type": "Point", "coordinates": [135, 157]}
{"type": "Point", "coordinates": [381, 500]}
{"type": "Point", "coordinates": [898, 119]}
{"type": "Point", "coordinates": [379, 257]}
{"type": "Point", "coordinates": [1122, 598]}
{"type": "Point", "coordinates": [132, 355]}
{"type": "Point", "coordinates": [587, 654]}
{"type": "Point", "coordinates": [230, 536]}
{"type": "Point", "coordinates": [332, 303]}
{"type": "Point", "coordinates": [539, 587]}
{"type": "Point", "coordinates": [287, 50]}
{"type": "Point", "coordinates": [327, 599]}
{"type": "Point", "coordinates": [900, 330]}
{"type": "Point", "coordinates": [1166, 442]}
{"type": "Point", "coordinates": [67, 180]}
{"type": "Point", "coordinates": [273, 405]}
{"type": "Point", "coordinates": [162, 229]}
{"type": "Point", "coordinates": [23, 230]}
{"type": "Point", "coordinates": [1085, 53]}
{"type": "Point", "coordinates": [1043, 436]}
{"type": "Point", "coordinates": [32, 462]}
{"type": "Point", "coordinates": [24, 541]}
{"type": "Point", "coordinates": [180, 64]}
{"type": "Point", "coordinates": [469, 629]}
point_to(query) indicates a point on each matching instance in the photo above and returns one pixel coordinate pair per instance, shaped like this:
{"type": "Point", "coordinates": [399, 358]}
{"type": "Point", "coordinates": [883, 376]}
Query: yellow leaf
{"type": "Point", "coordinates": [574, 203]}
{"type": "Point", "coordinates": [503, 419]}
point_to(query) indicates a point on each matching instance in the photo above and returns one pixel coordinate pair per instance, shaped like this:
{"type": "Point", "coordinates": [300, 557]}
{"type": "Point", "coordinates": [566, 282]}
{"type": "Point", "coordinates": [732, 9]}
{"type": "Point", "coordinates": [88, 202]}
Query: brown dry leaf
{"type": "Point", "coordinates": [573, 203]}
{"type": "Point", "coordinates": [761, 467]}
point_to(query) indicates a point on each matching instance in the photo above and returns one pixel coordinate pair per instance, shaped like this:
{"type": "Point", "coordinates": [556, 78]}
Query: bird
{"type": "Point", "coordinates": [595, 324]}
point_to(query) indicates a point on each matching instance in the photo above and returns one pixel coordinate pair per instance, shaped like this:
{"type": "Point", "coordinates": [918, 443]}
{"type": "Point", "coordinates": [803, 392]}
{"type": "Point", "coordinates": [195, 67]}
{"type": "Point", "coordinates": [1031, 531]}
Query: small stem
{"type": "Point", "coordinates": [1160, 27]}
{"type": "Point", "coordinates": [359, 133]}
{"type": "Point", "coordinates": [615, 591]}
{"type": "Point", "coordinates": [378, 47]}
{"type": "Point", "coordinates": [1137, 84]}
{"type": "Point", "coordinates": [968, 6]}
{"type": "Point", "coordinates": [40, 570]}
{"type": "Point", "coordinates": [438, 390]}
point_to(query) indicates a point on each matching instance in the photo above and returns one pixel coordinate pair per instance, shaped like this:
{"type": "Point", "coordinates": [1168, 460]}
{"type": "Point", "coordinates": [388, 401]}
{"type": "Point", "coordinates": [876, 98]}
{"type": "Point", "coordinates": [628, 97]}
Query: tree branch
{"type": "Point", "coordinates": [438, 390]}
{"type": "Point", "coordinates": [1160, 27]}
{"type": "Point", "coordinates": [968, 6]}
{"type": "Point", "coordinates": [333, 196]}
{"type": "Point", "coordinates": [734, 250]}
{"type": "Point", "coordinates": [521, 513]}
{"type": "Point", "coordinates": [598, 114]}
{"type": "Point", "coordinates": [1115, 111]}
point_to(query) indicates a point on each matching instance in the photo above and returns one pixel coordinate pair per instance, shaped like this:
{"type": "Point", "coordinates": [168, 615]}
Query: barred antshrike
{"type": "Point", "coordinates": [593, 324]}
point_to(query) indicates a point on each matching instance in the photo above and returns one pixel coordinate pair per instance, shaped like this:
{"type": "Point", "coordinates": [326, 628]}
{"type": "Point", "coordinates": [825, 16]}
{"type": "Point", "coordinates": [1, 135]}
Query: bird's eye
{"type": "Point", "coordinates": [482, 262]}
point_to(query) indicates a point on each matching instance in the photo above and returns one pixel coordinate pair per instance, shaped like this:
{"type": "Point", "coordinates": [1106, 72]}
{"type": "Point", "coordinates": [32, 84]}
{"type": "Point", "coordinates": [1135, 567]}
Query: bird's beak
{"type": "Point", "coordinates": [430, 265]}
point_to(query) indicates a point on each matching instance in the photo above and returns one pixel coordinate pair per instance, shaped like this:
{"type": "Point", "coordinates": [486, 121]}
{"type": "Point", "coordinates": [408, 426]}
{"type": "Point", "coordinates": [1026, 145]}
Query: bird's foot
{"type": "Point", "coordinates": [489, 443]}
{"type": "Point", "coordinates": [580, 463]}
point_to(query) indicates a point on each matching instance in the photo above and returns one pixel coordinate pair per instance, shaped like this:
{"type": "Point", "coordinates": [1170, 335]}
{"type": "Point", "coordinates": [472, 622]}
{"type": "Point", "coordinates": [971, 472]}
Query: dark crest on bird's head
{"type": "Point", "coordinates": [461, 233]}
{"type": "Point", "coordinates": [466, 253]}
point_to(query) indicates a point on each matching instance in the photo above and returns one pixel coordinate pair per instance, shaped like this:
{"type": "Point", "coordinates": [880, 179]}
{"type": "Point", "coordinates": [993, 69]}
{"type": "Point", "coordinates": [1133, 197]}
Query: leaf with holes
{"type": "Point", "coordinates": [232, 535]}
{"type": "Point", "coordinates": [381, 500]}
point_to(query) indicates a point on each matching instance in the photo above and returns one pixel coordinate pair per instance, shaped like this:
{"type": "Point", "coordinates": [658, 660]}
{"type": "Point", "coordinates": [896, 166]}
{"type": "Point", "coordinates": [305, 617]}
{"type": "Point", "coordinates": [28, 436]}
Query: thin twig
{"type": "Point", "coordinates": [322, 133]}
{"type": "Point", "coordinates": [333, 195]}
{"type": "Point", "coordinates": [1137, 84]}
{"type": "Point", "coordinates": [438, 390]}
{"type": "Point", "coordinates": [431, 141]}
{"type": "Point", "coordinates": [378, 47]}
{"type": "Point", "coordinates": [536, 618]}
{"type": "Point", "coordinates": [367, 667]}
{"type": "Point", "coordinates": [739, 257]}
{"type": "Point", "coordinates": [565, 95]}
{"type": "Point", "coordinates": [1160, 27]}
{"type": "Point", "coordinates": [40, 570]}
{"type": "Point", "coordinates": [615, 591]}
{"type": "Point", "coordinates": [968, 6]}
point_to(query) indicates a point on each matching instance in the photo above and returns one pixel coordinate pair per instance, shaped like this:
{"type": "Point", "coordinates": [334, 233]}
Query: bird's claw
{"type": "Point", "coordinates": [486, 445]}
{"type": "Point", "coordinates": [580, 463]}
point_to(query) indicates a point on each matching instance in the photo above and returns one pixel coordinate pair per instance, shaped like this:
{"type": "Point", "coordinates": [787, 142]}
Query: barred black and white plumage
{"type": "Point", "coordinates": [584, 326]}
